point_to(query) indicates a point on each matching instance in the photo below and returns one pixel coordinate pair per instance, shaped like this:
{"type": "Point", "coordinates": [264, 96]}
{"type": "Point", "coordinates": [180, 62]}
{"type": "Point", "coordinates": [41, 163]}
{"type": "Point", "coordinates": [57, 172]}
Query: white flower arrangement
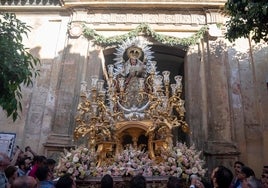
{"type": "Point", "coordinates": [180, 161]}
{"type": "Point", "coordinates": [78, 162]}
{"type": "Point", "coordinates": [183, 161]}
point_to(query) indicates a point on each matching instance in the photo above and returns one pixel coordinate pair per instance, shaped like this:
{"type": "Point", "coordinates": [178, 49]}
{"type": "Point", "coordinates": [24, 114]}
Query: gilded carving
{"type": "Point", "coordinates": [142, 109]}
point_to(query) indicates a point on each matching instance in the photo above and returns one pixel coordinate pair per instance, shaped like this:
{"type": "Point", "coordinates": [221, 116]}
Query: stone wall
{"type": "Point", "coordinates": [225, 84]}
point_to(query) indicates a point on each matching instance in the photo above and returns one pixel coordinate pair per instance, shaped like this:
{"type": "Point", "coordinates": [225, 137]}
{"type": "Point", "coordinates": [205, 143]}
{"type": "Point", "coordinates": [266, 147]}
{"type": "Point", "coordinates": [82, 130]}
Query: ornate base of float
{"type": "Point", "coordinates": [123, 182]}
{"type": "Point", "coordinates": [181, 161]}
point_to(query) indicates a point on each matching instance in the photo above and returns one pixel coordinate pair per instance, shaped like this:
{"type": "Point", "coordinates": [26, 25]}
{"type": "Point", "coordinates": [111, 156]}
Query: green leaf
{"type": "Point", "coordinates": [17, 65]}
{"type": "Point", "coordinates": [247, 18]}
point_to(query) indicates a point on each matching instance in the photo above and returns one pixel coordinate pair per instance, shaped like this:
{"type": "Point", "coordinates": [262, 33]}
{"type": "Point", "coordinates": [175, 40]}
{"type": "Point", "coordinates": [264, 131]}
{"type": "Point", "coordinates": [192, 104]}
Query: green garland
{"type": "Point", "coordinates": [144, 29]}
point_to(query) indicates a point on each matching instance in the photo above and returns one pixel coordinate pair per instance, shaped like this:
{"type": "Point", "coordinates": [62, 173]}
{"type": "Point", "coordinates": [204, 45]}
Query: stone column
{"type": "Point", "coordinates": [195, 95]}
{"type": "Point", "coordinates": [43, 96]}
{"type": "Point", "coordinates": [219, 147]}
{"type": "Point", "coordinates": [74, 68]}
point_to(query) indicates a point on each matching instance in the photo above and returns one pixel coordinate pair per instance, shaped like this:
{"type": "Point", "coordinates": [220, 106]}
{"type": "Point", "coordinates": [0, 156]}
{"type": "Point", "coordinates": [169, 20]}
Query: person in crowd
{"type": "Point", "coordinates": [221, 177]}
{"type": "Point", "coordinates": [196, 181]}
{"type": "Point", "coordinates": [107, 181]}
{"type": "Point", "coordinates": [66, 181]}
{"type": "Point", "coordinates": [245, 173]}
{"type": "Point", "coordinates": [265, 169]}
{"type": "Point", "coordinates": [45, 177]}
{"type": "Point", "coordinates": [17, 155]}
{"type": "Point", "coordinates": [251, 182]}
{"type": "Point", "coordinates": [11, 173]}
{"type": "Point", "coordinates": [51, 163]}
{"type": "Point", "coordinates": [4, 163]}
{"type": "Point", "coordinates": [24, 166]}
{"type": "Point", "coordinates": [39, 161]}
{"type": "Point", "coordinates": [173, 182]}
{"type": "Point", "coordinates": [138, 181]}
{"type": "Point", "coordinates": [237, 169]}
{"type": "Point", "coordinates": [24, 182]}
{"type": "Point", "coordinates": [29, 152]}
{"type": "Point", "coordinates": [264, 178]}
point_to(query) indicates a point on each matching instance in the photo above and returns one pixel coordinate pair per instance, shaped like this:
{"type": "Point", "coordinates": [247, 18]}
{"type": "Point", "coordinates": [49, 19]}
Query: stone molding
{"type": "Point", "coordinates": [154, 18]}
{"type": "Point", "coordinates": [25, 3]}
{"type": "Point", "coordinates": [220, 148]}
{"type": "Point", "coordinates": [164, 17]}
{"type": "Point", "coordinates": [149, 4]}
{"type": "Point", "coordinates": [59, 139]}
{"type": "Point", "coordinates": [122, 21]}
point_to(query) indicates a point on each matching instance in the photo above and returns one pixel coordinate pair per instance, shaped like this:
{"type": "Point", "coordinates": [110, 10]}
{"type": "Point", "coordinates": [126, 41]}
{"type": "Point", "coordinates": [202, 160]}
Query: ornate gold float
{"type": "Point", "coordinates": [139, 108]}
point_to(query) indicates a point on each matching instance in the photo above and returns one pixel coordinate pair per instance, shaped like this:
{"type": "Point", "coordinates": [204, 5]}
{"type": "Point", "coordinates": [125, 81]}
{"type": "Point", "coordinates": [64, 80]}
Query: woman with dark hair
{"type": "Point", "coordinates": [39, 161]}
{"type": "Point", "coordinates": [107, 181]}
{"type": "Point", "coordinates": [174, 182]}
{"type": "Point", "coordinates": [45, 178]}
{"type": "Point", "coordinates": [221, 177]}
{"type": "Point", "coordinates": [66, 181]}
{"type": "Point", "coordinates": [245, 170]}
{"type": "Point", "coordinates": [138, 181]}
{"type": "Point", "coordinates": [11, 173]}
{"type": "Point", "coordinates": [245, 173]}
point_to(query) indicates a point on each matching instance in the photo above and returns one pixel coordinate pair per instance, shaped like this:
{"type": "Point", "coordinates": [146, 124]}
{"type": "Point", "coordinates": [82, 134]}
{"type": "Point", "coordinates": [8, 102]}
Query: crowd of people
{"type": "Point", "coordinates": [243, 177]}
{"type": "Point", "coordinates": [29, 170]}
{"type": "Point", "coordinates": [221, 177]}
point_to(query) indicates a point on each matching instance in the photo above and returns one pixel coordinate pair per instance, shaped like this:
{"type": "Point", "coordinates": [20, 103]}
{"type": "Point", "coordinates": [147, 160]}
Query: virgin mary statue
{"type": "Point", "coordinates": [133, 59]}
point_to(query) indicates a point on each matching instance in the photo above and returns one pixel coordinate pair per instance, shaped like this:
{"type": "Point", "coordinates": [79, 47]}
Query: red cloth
{"type": "Point", "coordinates": [33, 171]}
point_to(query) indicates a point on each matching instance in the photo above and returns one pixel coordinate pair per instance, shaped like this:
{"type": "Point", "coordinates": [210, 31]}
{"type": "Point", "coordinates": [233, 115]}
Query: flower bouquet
{"type": "Point", "coordinates": [129, 162]}
{"type": "Point", "coordinates": [180, 161]}
{"type": "Point", "coordinates": [78, 162]}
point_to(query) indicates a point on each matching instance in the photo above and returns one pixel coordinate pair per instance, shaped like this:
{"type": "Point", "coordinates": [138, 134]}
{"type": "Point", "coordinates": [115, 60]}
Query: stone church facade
{"type": "Point", "coordinates": [225, 84]}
